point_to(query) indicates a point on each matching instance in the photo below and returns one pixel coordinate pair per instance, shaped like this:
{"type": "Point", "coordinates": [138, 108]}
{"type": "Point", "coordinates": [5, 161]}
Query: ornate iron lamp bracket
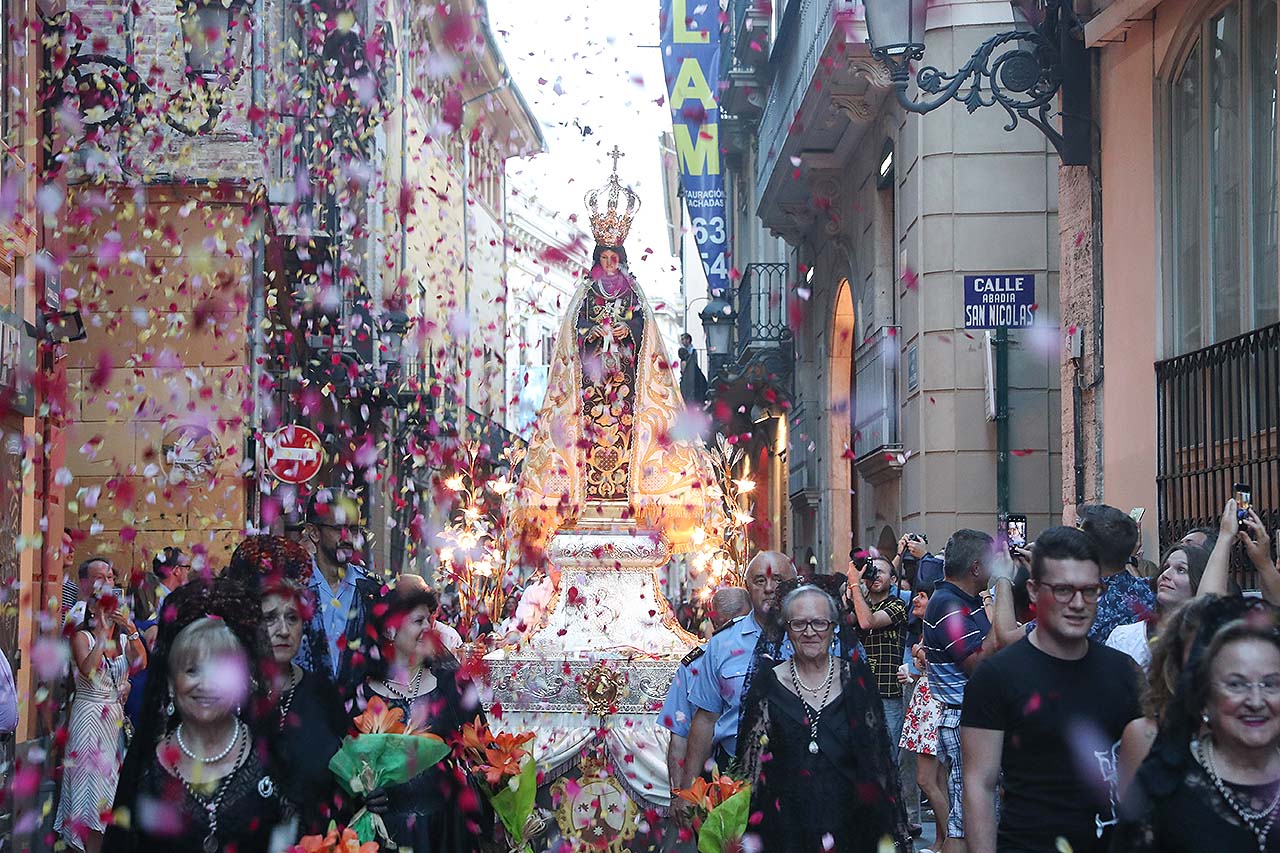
{"type": "Point", "coordinates": [107, 90]}
{"type": "Point", "coordinates": [1022, 71]}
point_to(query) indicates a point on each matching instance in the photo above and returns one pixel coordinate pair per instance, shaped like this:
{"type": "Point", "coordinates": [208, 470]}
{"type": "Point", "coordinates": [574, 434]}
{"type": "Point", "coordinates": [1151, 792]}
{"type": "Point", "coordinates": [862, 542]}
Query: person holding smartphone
{"type": "Point", "coordinates": [104, 648]}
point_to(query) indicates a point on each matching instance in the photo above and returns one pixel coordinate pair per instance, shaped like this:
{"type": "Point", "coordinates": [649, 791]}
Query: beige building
{"type": "Point", "coordinates": [871, 219]}
{"type": "Point", "coordinates": [549, 254]}
{"type": "Point", "coordinates": [1185, 310]}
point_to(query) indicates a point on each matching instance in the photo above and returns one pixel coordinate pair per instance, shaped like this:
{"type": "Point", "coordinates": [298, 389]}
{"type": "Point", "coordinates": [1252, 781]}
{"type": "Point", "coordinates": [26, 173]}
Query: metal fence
{"type": "Point", "coordinates": [761, 304]}
{"type": "Point", "coordinates": [1219, 424]}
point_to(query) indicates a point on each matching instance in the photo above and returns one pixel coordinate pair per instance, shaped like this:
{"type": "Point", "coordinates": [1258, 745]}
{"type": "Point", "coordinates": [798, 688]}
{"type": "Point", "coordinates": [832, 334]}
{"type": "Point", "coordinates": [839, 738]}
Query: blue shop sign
{"type": "Point", "coordinates": [992, 300]}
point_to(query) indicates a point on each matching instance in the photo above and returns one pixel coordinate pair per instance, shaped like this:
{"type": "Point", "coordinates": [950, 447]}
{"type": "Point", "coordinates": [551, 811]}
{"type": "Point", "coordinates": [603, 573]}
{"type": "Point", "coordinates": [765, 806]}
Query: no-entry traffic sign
{"type": "Point", "coordinates": [293, 454]}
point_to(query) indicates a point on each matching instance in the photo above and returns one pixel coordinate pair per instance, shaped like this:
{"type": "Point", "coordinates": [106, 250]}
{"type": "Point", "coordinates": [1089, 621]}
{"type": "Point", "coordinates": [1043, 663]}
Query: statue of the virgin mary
{"type": "Point", "coordinates": [608, 445]}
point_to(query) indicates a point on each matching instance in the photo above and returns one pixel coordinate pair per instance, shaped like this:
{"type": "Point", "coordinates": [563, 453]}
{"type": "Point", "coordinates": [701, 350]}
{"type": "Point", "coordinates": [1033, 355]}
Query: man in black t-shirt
{"type": "Point", "coordinates": [1047, 712]}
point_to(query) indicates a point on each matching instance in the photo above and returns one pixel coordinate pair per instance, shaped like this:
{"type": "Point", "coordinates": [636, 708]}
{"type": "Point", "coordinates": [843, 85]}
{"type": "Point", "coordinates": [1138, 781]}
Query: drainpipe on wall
{"type": "Point", "coordinates": [258, 304]}
{"type": "Point", "coordinates": [1001, 344]}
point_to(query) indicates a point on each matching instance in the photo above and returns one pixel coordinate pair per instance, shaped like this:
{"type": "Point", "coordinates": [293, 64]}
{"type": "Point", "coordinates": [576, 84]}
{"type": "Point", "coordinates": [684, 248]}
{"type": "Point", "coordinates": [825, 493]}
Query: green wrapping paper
{"type": "Point", "coordinates": [725, 823]}
{"type": "Point", "coordinates": [369, 761]}
{"type": "Point", "coordinates": [514, 806]}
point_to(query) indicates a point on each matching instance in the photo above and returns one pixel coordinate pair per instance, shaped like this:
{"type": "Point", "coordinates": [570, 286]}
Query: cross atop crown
{"type": "Point", "coordinates": [611, 225]}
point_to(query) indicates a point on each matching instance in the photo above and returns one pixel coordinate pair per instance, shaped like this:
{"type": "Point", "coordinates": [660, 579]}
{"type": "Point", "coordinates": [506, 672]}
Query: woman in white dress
{"type": "Point", "coordinates": [104, 649]}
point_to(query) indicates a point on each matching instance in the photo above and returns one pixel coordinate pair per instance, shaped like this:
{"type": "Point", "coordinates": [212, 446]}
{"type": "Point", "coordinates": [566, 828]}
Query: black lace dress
{"type": "Point", "coordinates": [439, 810]}
{"type": "Point", "coordinates": [307, 738]}
{"type": "Point", "coordinates": [847, 792]}
{"type": "Point", "coordinates": [165, 815]}
{"type": "Point", "coordinates": [1192, 817]}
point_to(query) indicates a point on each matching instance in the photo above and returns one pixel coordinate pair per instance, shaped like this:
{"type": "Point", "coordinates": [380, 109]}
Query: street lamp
{"type": "Point", "coordinates": [209, 37]}
{"type": "Point", "coordinates": [1022, 70]}
{"type": "Point", "coordinates": [391, 339]}
{"type": "Point", "coordinates": [718, 318]}
{"type": "Point", "coordinates": [62, 327]}
{"type": "Point", "coordinates": [106, 89]}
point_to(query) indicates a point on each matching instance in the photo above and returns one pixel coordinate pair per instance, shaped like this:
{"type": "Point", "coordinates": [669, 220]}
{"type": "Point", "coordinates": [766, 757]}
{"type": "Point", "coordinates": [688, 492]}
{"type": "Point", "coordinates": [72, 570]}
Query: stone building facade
{"type": "Point", "coordinates": [883, 213]}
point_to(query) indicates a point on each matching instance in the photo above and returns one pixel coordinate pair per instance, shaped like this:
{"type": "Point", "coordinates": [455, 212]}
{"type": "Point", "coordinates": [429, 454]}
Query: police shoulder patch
{"type": "Point", "coordinates": [694, 653]}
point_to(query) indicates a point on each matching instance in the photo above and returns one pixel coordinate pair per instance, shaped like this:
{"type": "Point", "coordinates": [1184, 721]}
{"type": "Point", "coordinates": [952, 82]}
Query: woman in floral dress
{"type": "Point", "coordinates": [920, 730]}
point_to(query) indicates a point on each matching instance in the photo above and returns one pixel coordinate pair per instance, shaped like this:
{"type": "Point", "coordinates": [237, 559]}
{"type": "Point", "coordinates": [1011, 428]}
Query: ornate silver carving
{"type": "Point", "coordinates": [531, 686]}
{"type": "Point", "coordinates": [606, 550]}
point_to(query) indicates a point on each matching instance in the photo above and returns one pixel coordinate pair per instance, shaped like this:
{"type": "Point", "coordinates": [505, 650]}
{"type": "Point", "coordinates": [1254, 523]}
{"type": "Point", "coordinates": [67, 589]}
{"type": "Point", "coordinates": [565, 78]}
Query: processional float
{"type": "Point", "coordinates": [614, 482]}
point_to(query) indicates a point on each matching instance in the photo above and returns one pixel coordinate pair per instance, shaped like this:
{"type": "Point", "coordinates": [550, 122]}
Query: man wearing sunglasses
{"type": "Point", "coordinates": [344, 590]}
{"type": "Point", "coordinates": [1047, 712]}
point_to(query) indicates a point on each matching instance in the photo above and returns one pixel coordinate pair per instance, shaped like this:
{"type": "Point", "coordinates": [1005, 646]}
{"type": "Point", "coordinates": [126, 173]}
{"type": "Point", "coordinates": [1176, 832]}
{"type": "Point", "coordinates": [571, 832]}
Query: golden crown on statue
{"type": "Point", "coordinates": [611, 226]}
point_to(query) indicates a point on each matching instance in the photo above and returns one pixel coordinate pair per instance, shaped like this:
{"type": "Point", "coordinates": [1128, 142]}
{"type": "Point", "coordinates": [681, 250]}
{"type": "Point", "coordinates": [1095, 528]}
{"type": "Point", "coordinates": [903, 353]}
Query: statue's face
{"type": "Point", "coordinates": [609, 261]}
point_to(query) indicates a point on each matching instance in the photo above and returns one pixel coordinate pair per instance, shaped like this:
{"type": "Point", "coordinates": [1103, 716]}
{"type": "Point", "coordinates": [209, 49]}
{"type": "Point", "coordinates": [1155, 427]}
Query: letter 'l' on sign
{"type": "Point", "coordinates": [680, 32]}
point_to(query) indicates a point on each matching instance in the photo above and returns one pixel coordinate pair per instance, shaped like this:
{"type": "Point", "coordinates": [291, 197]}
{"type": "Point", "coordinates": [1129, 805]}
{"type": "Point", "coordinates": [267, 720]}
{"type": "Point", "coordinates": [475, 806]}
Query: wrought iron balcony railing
{"type": "Point", "coordinates": [1218, 412]}
{"type": "Point", "coordinates": [761, 305]}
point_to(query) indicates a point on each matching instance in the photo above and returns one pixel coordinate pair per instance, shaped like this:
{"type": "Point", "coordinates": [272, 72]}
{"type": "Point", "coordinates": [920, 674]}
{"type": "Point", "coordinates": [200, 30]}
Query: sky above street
{"type": "Point", "coordinates": [592, 74]}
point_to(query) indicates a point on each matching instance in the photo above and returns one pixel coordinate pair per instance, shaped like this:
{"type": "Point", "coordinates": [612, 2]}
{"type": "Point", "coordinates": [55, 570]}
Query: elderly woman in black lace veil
{"type": "Point", "coordinates": [304, 721]}
{"type": "Point", "coordinates": [813, 740]}
{"type": "Point", "coordinates": [1212, 778]}
{"type": "Point", "coordinates": [197, 776]}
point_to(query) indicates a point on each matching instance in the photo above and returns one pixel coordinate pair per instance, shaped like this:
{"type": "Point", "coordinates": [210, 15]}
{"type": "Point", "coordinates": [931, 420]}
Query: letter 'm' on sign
{"type": "Point", "coordinates": [700, 156]}
{"type": "Point", "coordinates": [690, 83]}
{"type": "Point", "coordinates": [680, 32]}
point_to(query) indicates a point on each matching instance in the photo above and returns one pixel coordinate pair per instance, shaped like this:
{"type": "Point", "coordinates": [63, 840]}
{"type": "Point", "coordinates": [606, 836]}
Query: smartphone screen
{"type": "Point", "coordinates": [1244, 498]}
{"type": "Point", "coordinates": [1016, 530]}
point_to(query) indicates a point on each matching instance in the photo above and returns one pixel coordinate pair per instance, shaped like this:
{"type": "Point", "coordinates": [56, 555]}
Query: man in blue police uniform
{"type": "Point", "coordinates": [727, 604]}
{"type": "Point", "coordinates": [345, 591]}
{"type": "Point", "coordinates": [717, 678]}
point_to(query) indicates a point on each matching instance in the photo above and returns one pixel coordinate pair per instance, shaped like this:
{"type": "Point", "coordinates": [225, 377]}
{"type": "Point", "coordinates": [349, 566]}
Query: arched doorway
{"type": "Point", "coordinates": [841, 489]}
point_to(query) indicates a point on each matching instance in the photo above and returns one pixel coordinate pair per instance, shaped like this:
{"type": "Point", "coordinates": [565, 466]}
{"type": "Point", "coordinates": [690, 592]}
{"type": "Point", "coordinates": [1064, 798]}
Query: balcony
{"type": "Point", "coordinates": [744, 53]}
{"type": "Point", "coordinates": [1218, 423]}
{"type": "Point", "coordinates": [752, 31]}
{"type": "Point", "coordinates": [761, 305]}
{"type": "Point", "coordinates": [800, 57]}
{"type": "Point", "coordinates": [825, 95]}
{"type": "Point", "coordinates": [877, 450]}
{"type": "Point", "coordinates": [759, 369]}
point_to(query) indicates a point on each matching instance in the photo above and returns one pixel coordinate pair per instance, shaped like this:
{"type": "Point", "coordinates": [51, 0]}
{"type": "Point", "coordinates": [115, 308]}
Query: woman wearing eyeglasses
{"type": "Point", "coordinates": [814, 744]}
{"type": "Point", "coordinates": [1212, 780]}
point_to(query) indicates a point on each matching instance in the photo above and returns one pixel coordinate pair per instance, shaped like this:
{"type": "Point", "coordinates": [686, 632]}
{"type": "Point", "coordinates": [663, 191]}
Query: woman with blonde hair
{"type": "Point", "coordinates": [196, 777]}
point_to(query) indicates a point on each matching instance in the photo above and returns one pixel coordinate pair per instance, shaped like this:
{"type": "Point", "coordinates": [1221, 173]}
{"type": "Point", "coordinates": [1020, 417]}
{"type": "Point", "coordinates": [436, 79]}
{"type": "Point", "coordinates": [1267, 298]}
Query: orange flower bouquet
{"type": "Point", "coordinates": [722, 807]}
{"type": "Point", "coordinates": [385, 752]}
{"type": "Point", "coordinates": [510, 776]}
{"type": "Point", "coordinates": [334, 841]}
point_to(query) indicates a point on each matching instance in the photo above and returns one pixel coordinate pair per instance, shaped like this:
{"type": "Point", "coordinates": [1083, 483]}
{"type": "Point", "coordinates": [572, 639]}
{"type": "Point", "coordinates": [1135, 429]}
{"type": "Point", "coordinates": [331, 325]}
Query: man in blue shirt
{"type": "Point", "coordinates": [957, 636]}
{"type": "Point", "coordinates": [727, 604]}
{"type": "Point", "coordinates": [717, 678]}
{"type": "Point", "coordinates": [344, 591]}
{"type": "Point", "coordinates": [1127, 598]}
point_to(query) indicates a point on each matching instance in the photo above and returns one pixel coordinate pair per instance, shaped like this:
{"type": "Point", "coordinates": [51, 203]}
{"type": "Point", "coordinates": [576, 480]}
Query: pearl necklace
{"type": "Point", "coordinates": [213, 804]}
{"type": "Point", "coordinates": [1251, 817]}
{"type": "Point", "coordinates": [814, 714]}
{"type": "Point", "coordinates": [209, 759]}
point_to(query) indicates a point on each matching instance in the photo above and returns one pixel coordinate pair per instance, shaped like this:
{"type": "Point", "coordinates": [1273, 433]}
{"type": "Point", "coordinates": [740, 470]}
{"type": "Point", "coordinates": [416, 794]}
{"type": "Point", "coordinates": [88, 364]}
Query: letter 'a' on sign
{"type": "Point", "coordinates": [293, 454]}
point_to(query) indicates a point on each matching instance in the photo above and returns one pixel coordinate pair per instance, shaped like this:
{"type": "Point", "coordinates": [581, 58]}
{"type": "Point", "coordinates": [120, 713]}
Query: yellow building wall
{"type": "Point", "coordinates": [167, 348]}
